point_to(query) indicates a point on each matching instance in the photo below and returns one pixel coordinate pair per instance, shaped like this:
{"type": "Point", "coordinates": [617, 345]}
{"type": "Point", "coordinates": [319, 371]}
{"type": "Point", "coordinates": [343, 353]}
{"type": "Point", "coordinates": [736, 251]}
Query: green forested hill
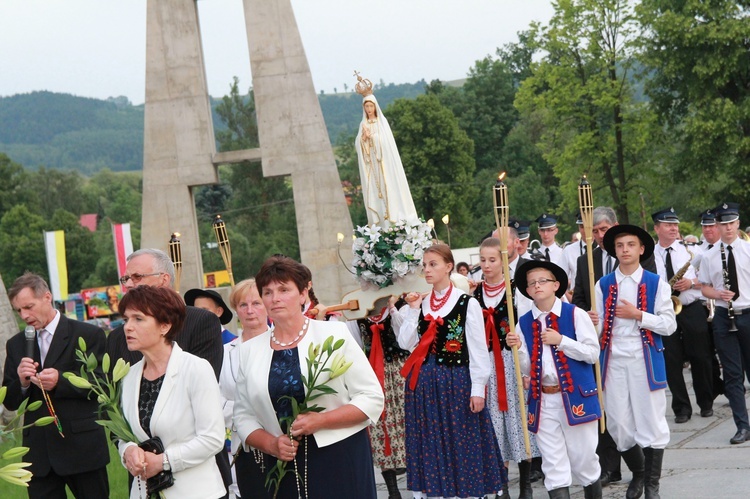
{"type": "Point", "coordinates": [78, 133]}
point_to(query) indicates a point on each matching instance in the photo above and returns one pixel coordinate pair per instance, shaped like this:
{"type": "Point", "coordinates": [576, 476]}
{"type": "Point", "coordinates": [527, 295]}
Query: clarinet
{"type": "Point", "coordinates": [727, 285]}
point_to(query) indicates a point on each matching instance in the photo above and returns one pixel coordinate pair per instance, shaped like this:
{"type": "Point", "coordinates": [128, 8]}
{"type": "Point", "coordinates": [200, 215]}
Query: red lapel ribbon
{"type": "Point", "coordinates": [414, 363]}
{"type": "Point", "coordinates": [491, 332]}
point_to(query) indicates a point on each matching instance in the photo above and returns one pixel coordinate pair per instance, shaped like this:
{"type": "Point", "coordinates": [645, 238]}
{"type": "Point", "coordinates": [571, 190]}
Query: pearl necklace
{"type": "Point", "coordinates": [295, 340]}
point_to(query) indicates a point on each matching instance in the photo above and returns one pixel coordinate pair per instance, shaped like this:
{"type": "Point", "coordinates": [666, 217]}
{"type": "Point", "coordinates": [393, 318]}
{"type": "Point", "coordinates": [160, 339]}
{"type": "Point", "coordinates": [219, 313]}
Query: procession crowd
{"type": "Point", "coordinates": [425, 385]}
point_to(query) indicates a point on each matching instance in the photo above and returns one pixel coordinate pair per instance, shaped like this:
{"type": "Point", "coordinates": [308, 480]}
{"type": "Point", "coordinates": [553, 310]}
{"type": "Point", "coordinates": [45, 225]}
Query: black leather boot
{"type": "Point", "coordinates": [635, 460]}
{"type": "Point", "coordinates": [524, 480]}
{"type": "Point", "coordinates": [653, 459]}
{"type": "Point", "coordinates": [593, 491]}
{"type": "Point", "coordinates": [392, 483]}
{"type": "Point", "coordinates": [561, 493]}
{"type": "Point", "coordinates": [505, 494]}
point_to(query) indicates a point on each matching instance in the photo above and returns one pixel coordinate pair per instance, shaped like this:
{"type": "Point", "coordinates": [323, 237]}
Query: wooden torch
{"type": "Point", "coordinates": [175, 254]}
{"type": "Point", "coordinates": [586, 206]}
{"type": "Point", "coordinates": [220, 229]}
{"type": "Point", "coordinates": [500, 191]}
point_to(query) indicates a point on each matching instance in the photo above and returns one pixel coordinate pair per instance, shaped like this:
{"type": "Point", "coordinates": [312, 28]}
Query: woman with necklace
{"type": "Point", "coordinates": [330, 449]}
{"type": "Point", "coordinates": [503, 398]}
{"type": "Point", "coordinates": [171, 396]}
{"type": "Point", "coordinates": [451, 449]}
{"type": "Point", "coordinates": [249, 469]}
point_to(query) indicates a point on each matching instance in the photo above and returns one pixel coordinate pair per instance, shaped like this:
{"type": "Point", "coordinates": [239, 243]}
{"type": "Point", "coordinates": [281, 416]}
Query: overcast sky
{"type": "Point", "coordinates": [96, 48]}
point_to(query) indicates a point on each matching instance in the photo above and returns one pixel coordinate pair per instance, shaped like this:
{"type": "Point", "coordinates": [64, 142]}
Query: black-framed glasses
{"type": "Point", "coordinates": [136, 277]}
{"type": "Point", "coordinates": [541, 282]}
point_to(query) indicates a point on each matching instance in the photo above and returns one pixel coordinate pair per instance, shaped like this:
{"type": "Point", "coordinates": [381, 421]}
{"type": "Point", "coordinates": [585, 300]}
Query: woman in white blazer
{"type": "Point", "coordinates": [330, 449]}
{"type": "Point", "coordinates": [172, 395]}
{"type": "Point", "coordinates": [248, 475]}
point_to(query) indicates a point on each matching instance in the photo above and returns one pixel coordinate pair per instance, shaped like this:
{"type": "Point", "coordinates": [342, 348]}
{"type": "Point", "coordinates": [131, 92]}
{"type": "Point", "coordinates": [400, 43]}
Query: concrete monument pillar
{"type": "Point", "coordinates": [294, 141]}
{"type": "Point", "coordinates": [179, 139]}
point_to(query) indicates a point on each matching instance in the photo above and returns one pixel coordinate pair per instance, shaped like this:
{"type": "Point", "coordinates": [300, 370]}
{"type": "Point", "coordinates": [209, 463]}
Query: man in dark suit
{"type": "Point", "coordinates": [604, 218]}
{"type": "Point", "coordinates": [79, 459]}
{"type": "Point", "coordinates": [201, 334]}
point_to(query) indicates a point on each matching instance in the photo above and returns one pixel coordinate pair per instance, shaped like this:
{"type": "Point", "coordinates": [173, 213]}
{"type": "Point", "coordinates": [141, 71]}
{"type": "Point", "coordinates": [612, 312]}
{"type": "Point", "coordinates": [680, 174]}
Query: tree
{"type": "Point", "coordinates": [22, 243]}
{"type": "Point", "coordinates": [439, 164]}
{"type": "Point", "coordinates": [698, 76]}
{"type": "Point", "coordinates": [582, 91]}
{"type": "Point", "coordinates": [14, 185]}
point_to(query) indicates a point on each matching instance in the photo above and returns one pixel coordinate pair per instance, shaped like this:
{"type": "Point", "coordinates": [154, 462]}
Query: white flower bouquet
{"type": "Point", "coordinates": [383, 255]}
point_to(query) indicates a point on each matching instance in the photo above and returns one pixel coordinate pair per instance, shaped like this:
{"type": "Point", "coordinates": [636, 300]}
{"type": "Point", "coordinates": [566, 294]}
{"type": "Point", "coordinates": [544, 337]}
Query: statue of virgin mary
{"type": "Point", "coordinates": [384, 186]}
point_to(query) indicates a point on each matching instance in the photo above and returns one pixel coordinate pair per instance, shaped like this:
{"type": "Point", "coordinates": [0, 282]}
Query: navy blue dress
{"type": "Point", "coordinates": [450, 451]}
{"type": "Point", "coordinates": [342, 469]}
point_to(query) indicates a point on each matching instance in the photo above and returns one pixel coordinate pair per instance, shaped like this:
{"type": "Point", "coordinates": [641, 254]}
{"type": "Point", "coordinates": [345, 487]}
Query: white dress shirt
{"type": "Point", "coordinates": [711, 271]}
{"type": "Point", "coordinates": [680, 257]}
{"type": "Point", "coordinates": [479, 357]}
{"type": "Point", "coordinates": [571, 253]}
{"type": "Point", "coordinates": [555, 254]}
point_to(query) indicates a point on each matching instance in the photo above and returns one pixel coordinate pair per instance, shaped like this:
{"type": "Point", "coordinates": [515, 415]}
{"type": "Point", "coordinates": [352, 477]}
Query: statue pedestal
{"type": "Point", "coordinates": [408, 284]}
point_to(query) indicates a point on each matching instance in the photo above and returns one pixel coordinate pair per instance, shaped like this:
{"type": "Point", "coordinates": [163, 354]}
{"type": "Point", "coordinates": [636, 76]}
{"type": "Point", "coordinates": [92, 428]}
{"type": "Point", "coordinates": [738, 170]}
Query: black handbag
{"type": "Point", "coordinates": [162, 480]}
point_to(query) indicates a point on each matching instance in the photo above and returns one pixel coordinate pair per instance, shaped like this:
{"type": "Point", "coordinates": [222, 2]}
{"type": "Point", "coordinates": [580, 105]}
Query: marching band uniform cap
{"type": "Point", "coordinates": [546, 221]}
{"type": "Point", "coordinates": [727, 212]}
{"type": "Point", "coordinates": [646, 240]}
{"type": "Point", "coordinates": [667, 215]}
{"type": "Point", "coordinates": [192, 294]}
{"type": "Point", "coordinates": [521, 280]}
{"type": "Point", "coordinates": [523, 229]}
{"type": "Point", "coordinates": [708, 217]}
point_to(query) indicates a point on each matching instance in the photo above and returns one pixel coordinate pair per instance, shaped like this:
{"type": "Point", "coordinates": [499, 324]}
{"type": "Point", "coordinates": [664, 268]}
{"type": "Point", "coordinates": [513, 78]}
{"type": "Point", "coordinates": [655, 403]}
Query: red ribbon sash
{"type": "Point", "coordinates": [414, 363]}
{"type": "Point", "coordinates": [489, 329]}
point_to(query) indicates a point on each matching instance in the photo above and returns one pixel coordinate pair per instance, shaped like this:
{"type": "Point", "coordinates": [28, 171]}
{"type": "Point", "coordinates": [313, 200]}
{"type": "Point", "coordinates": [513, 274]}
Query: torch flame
{"type": "Point", "coordinates": [501, 177]}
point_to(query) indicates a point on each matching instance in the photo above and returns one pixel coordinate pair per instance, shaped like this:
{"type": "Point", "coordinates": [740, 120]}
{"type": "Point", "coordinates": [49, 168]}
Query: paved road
{"type": "Point", "coordinates": [699, 462]}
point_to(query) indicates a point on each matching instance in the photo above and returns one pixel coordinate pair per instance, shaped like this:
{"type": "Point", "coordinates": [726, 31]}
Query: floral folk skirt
{"type": "Point", "coordinates": [390, 453]}
{"type": "Point", "coordinates": [450, 451]}
{"type": "Point", "coordinates": [507, 424]}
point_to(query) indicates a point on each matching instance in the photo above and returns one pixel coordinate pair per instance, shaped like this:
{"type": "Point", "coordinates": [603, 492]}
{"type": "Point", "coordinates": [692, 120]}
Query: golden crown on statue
{"type": "Point", "coordinates": [363, 86]}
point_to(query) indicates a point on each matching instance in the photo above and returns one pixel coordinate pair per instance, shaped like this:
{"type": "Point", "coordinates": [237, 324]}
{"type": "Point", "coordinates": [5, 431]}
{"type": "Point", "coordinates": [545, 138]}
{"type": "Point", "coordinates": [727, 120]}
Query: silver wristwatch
{"type": "Point", "coordinates": [165, 463]}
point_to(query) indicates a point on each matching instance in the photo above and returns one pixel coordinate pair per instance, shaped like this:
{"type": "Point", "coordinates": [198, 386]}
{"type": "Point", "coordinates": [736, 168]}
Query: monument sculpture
{"type": "Point", "coordinates": [180, 150]}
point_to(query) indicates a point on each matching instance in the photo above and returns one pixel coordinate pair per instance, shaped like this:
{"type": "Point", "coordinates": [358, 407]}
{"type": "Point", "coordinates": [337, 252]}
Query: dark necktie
{"type": "Point", "coordinates": [668, 264]}
{"type": "Point", "coordinates": [710, 246]}
{"type": "Point", "coordinates": [670, 269]}
{"type": "Point", "coordinates": [546, 254]}
{"type": "Point", "coordinates": [732, 270]}
{"type": "Point", "coordinates": [608, 268]}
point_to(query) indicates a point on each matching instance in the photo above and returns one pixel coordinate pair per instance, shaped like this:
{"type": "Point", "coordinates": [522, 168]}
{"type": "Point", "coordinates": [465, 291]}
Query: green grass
{"type": "Point", "coordinates": [118, 477]}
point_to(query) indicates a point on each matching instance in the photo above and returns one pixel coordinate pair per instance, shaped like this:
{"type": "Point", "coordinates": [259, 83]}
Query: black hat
{"type": "Point", "coordinates": [525, 267]}
{"type": "Point", "coordinates": [579, 218]}
{"type": "Point", "coordinates": [546, 221]}
{"type": "Point", "coordinates": [708, 217]}
{"type": "Point", "coordinates": [523, 229]}
{"type": "Point", "coordinates": [727, 212]}
{"type": "Point", "coordinates": [192, 294]}
{"type": "Point", "coordinates": [667, 215]}
{"type": "Point", "coordinates": [646, 240]}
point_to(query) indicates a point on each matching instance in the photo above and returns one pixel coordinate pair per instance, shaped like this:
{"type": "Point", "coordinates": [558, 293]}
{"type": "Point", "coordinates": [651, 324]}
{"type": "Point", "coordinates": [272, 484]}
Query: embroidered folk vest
{"type": "Point", "coordinates": [653, 351]}
{"type": "Point", "coordinates": [576, 378]}
{"type": "Point", "coordinates": [449, 347]}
